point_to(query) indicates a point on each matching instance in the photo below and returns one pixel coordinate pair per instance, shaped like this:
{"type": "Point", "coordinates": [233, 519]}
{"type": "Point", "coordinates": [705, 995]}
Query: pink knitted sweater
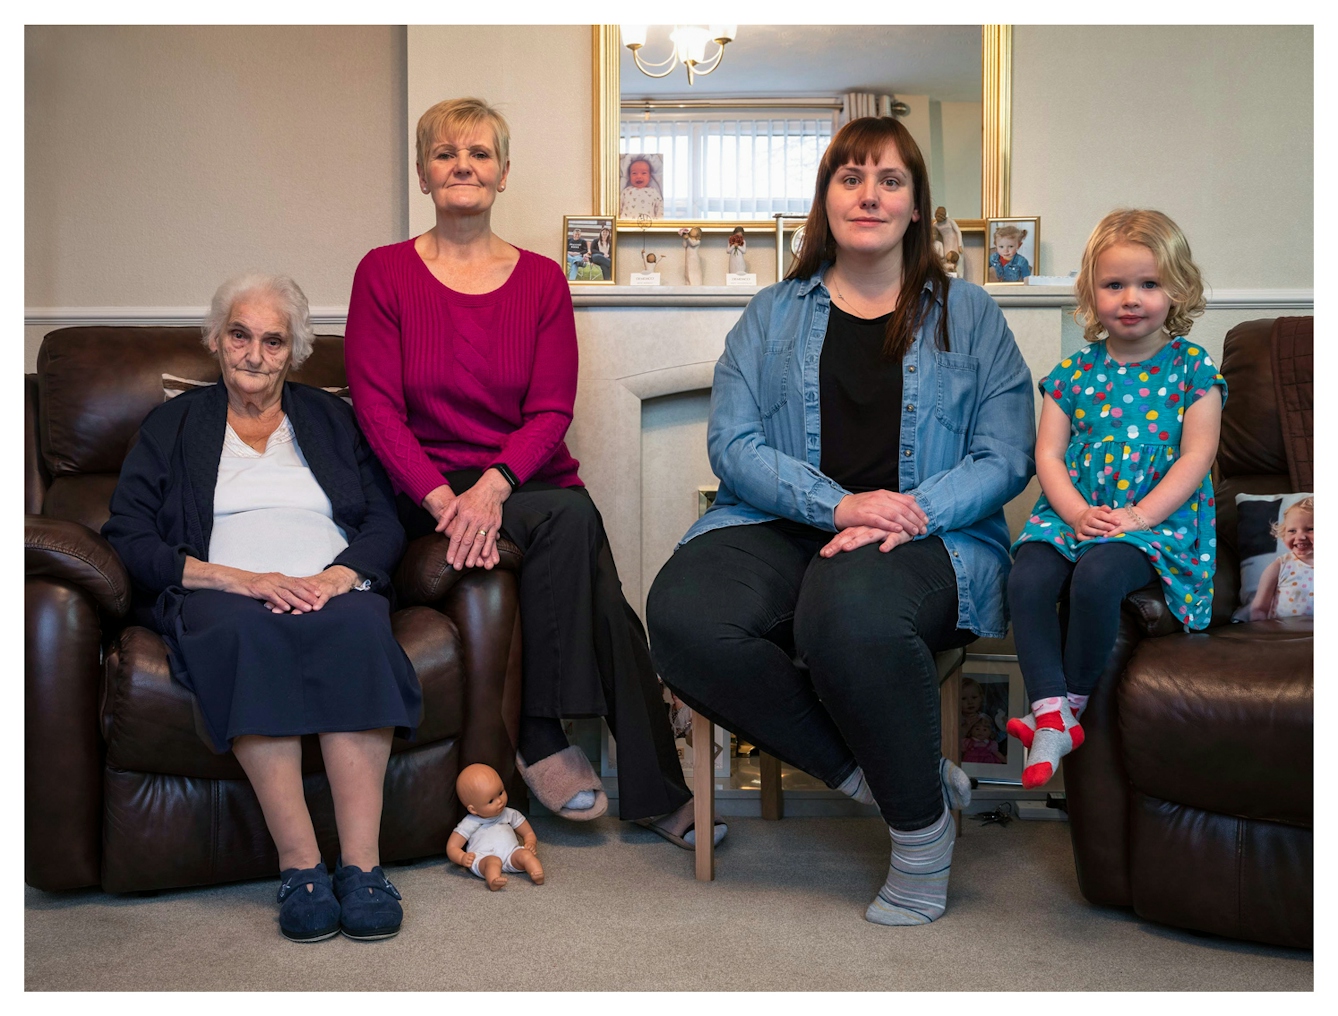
{"type": "Point", "coordinates": [442, 380]}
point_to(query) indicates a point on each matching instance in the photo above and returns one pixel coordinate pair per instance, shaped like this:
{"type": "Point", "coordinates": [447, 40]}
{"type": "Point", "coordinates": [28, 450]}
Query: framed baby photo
{"type": "Point", "coordinates": [588, 249]}
{"type": "Point", "coordinates": [641, 185]}
{"type": "Point", "coordinates": [991, 692]}
{"type": "Point", "coordinates": [1012, 249]}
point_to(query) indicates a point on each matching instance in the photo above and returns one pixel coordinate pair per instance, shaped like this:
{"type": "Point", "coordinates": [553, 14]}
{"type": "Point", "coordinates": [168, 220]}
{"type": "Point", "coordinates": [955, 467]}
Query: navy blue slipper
{"type": "Point", "coordinates": [369, 905]}
{"type": "Point", "coordinates": [307, 916]}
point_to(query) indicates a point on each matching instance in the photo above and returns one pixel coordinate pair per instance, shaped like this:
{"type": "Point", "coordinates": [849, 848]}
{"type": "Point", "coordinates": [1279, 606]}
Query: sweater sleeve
{"type": "Point", "coordinates": [373, 359]}
{"type": "Point", "coordinates": [132, 528]}
{"type": "Point", "coordinates": [546, 410]}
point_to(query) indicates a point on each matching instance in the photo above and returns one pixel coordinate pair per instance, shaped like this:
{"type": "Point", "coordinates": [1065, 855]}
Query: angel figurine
{"type": "Point", "coordinates": [738, 246]}
{"type": "Point", "coordinates": [692, 256]}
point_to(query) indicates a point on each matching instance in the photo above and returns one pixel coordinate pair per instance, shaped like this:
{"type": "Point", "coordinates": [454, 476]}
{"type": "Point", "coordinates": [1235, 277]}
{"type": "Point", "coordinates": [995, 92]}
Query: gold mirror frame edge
{"type": "Point", "coordinates": [996, 60]}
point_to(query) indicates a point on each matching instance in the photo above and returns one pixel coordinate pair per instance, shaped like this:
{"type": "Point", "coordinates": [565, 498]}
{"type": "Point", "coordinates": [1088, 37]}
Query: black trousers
{"type": "Point", "coordinates": [732, 608]}
{"type": "Point", "coordinates": [1095, 586]}
{"type": "Point", "coordinates": [583, 647]}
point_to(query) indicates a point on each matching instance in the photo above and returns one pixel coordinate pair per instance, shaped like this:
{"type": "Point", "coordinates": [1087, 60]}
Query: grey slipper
{"type": "Point", "coordinates": [555, 780]}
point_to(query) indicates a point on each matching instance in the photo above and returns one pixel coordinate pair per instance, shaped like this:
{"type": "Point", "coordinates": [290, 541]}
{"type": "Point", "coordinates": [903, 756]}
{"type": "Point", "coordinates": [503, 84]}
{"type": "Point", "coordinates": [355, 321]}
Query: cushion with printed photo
{"type": "Point", "coordinates": [1276, 536]}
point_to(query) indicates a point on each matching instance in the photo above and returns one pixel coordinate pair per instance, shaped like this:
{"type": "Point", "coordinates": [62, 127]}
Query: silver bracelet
{"type": "Point", "coordinates": [1142, 522]}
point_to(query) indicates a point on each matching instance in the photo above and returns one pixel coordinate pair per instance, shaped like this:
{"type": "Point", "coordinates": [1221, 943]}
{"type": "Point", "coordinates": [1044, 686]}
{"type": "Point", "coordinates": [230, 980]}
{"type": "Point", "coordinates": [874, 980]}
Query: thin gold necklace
{"type": "Point", "coordinates": [851, 305]}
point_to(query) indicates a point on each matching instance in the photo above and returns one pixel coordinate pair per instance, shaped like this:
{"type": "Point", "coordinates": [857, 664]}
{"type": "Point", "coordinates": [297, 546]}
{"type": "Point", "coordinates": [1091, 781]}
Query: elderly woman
{"type": "Point", "coordinates": [254, 518]}
{"type": "Point", "coordinates": [461, 357]}
{"type": "Point", "coordinates": [869, 420]}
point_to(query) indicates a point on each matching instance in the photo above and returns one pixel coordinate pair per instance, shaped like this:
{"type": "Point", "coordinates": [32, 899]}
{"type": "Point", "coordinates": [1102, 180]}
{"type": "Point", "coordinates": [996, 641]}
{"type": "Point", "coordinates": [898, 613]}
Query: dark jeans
{"type": "Point", "coordinates": [584, 651]}
{"type": "Point", "coordinates": [1095, 585]}
{"type": "Point", "coordinates": [732, 608]}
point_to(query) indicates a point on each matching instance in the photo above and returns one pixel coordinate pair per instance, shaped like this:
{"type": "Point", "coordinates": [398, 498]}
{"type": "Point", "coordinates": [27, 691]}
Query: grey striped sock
{"type": "Point", "coordinates": [916, 891]}
{"type": "Point", "coordinates": [855, 786]}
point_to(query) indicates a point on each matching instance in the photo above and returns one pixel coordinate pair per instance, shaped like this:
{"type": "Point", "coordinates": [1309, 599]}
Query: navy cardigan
{"type": "Point", "coordinates": [163, 507]}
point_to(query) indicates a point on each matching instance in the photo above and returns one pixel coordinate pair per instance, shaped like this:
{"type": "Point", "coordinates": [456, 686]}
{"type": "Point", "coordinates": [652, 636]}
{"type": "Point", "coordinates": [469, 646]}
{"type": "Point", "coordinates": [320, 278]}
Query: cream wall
{"type": "Point", "coordinates": [1214, 125]}
{"type": "Point", "coordinates": [160, 160]}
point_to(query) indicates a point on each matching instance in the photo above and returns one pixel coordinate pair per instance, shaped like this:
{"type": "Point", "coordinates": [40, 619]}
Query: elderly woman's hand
{"type": "Point", "coordinates": [473, 522]}
{"type": "Point", "coordinates": [882, 509]}
{"type": "Point", "coordinates": [860, 536]}
{"type": "Point", "coordinates": [334, 581]}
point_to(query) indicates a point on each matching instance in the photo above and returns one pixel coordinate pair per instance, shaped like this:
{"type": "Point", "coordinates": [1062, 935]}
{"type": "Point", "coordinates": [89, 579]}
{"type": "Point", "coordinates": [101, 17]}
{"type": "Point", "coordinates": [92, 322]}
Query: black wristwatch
{"type": "Point", "coordinates": [507, 475]}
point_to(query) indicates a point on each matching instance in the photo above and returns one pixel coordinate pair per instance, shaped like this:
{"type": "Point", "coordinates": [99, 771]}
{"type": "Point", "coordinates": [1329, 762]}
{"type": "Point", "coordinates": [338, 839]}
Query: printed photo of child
{"type": "Point", "coordinates": [1287, 586]}
{"type": "Point", "coordinates": [984, 709]}
{"type": "Point", "coordinates": [642, 191]}
{"type": "Point", "coordinates": [1012, 249]}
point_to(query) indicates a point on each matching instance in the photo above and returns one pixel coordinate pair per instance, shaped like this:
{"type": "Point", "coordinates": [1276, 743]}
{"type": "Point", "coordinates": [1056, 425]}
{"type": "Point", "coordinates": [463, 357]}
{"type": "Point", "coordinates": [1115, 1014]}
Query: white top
{"type": "Point", "coordinates": [491, 835]}
{"type": "Point", "coordinates": [270, 514]}
{"type": "Point", "coordinates": [1296, 588]}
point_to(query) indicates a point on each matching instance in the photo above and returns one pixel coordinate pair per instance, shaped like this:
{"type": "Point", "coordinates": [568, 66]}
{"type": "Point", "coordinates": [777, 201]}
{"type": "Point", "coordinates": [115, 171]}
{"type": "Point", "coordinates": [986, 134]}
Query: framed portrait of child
{"type": "Point", "coordinates": [588, 249]}
{"type": "Point", "coordinates": [1012, 249]}
{"type": "Point", "coordinates": [641, 185]}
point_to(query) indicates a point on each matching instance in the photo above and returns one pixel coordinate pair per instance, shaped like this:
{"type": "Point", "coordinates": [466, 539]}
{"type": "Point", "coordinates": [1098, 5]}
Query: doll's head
{"type": "Point", "coordinates": [1007, 240]}
{"type": "Point", "coordinates": [1297, 529]}
{"type": "Point", "coordinates": [972, 697]}
{"type": "Point", "coordinates": [1178, 274]}
{"type": "Point", "coordinates": [480, 790]}
{"type": "Point", "coordinates": [640, 173]}
{"type": "Point", "coordinates": [940, 214]}
{"type": "Point", "coordinates": [981, 729]}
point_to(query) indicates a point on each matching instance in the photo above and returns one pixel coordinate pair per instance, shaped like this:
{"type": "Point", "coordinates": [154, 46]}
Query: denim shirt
{"type": "Point", "coordinates": [967, 427]}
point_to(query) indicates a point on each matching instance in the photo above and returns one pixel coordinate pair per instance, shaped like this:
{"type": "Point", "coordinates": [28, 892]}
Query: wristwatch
{"type": "Point", "coordinates": [363, 584]}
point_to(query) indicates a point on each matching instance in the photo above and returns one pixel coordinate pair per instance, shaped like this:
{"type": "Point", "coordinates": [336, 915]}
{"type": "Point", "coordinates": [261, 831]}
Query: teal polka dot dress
{"type": "Point", "coordinates": [1125, 422]}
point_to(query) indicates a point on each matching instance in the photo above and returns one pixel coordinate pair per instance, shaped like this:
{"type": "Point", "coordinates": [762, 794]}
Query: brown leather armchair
{"type": "Point", "coordinates": [1191, 799]}
{"type": "Point", "coordinates": [120, 790]}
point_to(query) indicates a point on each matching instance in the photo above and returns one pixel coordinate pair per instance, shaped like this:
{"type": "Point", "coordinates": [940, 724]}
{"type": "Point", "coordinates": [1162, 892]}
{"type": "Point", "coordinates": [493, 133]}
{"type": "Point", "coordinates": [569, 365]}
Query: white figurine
{"type": "Point", "coordinates": [692, 256]}
{"type": "Point", "coordinates": [738, 246]}
{"type": "Point", "coordinates": [947, 240]}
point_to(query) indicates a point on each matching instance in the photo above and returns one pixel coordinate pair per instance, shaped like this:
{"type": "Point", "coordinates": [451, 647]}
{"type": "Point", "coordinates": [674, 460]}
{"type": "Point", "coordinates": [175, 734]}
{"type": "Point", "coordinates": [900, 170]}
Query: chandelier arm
{"type": "Point", "coordinates": [714, 62]}
{"type": "Point", "coordinates": [671, 61]}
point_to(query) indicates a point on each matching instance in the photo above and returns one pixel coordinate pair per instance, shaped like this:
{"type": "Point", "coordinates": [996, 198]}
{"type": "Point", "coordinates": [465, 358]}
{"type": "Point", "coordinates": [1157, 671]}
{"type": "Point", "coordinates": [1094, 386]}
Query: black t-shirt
{"type": "Point", "coordinates": [860, 409]}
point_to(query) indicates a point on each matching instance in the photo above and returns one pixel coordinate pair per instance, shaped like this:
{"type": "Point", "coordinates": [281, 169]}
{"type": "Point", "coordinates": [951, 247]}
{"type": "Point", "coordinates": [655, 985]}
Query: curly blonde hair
{"type": "Point", "coordinates": [1156, 231]}
{"type": "Point", "coordinates": [1009, 232]}
{"type": "Point", "coordinates": [1306, 504]}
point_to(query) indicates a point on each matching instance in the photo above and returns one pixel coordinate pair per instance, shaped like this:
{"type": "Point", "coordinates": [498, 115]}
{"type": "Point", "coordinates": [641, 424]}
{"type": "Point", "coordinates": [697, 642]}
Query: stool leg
{"type": "Point", "coordinates": [703, 794]}
{"type": "Point", "coordinates": [773, 800]}
{"type": "Point", "coordinates": [950, 714]}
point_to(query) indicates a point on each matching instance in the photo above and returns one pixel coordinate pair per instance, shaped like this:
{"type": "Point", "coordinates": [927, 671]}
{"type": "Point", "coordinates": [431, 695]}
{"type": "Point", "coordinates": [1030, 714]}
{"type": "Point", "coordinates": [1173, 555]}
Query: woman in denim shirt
{"type": "Point", "coordinates": [869, 420]}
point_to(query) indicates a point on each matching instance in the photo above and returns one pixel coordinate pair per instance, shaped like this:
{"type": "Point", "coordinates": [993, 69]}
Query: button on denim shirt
{"type": "Point", "coordinates": [968, 430]}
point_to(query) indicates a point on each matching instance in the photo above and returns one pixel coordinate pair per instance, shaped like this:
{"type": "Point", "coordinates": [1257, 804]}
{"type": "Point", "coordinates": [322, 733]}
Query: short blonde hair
{"type": "Point", "coordinates": [1306, 504]}
{"type": "Point", "coordinates": [1008, 230]}
{"type": "Point", "coordinates": [451, 115]}
{"type": "Point", "coordinates": [1156, 231]}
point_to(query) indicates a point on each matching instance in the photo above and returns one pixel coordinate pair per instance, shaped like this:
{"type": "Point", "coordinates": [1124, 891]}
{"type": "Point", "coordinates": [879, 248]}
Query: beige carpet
{"type": "Point", "coordinates": [621, 911]}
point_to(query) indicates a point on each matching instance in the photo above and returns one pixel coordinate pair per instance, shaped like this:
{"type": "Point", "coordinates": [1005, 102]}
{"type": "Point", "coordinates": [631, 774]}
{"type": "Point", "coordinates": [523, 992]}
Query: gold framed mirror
{"type": "Point", "coordinates": [996, 53]}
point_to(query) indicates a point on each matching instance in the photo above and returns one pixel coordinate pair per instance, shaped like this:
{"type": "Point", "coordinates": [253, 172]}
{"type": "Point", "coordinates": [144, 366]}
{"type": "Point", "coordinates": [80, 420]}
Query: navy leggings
{"type": "Point", "coordinates": [1095, 586]}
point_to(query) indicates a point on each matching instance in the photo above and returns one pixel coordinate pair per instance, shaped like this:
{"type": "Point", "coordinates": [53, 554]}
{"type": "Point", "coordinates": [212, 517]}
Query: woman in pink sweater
{"type": "Point", "coordinates": [461, 356]}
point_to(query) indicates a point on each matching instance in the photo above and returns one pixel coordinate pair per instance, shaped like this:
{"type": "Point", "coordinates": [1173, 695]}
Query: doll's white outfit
{"type": "Point", "coordinates": [492, 837]}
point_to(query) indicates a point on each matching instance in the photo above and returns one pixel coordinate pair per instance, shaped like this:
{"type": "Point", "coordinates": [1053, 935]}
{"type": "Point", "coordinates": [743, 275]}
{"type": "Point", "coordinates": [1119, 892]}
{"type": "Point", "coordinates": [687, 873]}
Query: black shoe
{"type": "Point", "coordinates": [369, 904]}
{"type": "Point", "coordinates": [307, 916]}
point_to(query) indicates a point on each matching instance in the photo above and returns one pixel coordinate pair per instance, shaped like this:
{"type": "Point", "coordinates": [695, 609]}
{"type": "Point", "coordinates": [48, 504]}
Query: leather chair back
{"type": "Point", "coordinates": [1252, 457]}
{"type": "Point", "coordinates": [95, 385]}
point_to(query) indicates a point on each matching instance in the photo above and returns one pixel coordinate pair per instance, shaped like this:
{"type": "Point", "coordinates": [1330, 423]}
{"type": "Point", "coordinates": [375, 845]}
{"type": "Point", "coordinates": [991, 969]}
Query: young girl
{"type": "Point", "coordinates": [1287, 587]}
{"type": "Point", "coordinates": [1006, 264]}
{"type": "Point", "coordinates": [1129, 428]}
{"type": "Point", "coordinates": [641, 191]}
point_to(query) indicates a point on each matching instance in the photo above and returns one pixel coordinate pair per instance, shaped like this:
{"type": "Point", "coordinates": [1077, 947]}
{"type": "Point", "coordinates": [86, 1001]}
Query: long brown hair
{"type": "Point", "coordinates": [856, 143]}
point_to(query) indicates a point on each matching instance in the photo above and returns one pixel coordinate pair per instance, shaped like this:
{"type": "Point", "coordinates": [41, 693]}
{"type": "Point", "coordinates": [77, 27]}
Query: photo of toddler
{"type": "Point", "coordinates": [642, 192]}
{"type": "Point", "coordinates": [1287, 586]}
{"type": "Point", "coordinates": [980, 742]}
{"type": "Point", "coordinates": [1012, 251]}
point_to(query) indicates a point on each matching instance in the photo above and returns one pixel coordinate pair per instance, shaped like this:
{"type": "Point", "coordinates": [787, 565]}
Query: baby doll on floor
{"type": "Point", "coordinates": [489, 840]}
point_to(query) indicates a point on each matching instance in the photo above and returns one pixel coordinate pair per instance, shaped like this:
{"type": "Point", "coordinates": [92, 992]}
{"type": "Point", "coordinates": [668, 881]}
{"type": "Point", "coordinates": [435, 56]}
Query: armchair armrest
{"type": "Point", "coordinates": [1147, 609]}
{"type": "Point", "coordinates": [73, 552]}
{"type": "Point", "coordinates": [425, 577]}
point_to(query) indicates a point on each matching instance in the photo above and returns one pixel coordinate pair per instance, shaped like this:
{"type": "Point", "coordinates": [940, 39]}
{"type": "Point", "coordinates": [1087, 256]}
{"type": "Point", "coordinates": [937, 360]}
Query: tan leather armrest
{"type": "Point", "coordinates": [424, 576]}
{"type": "Point", "coordinates": [73, 552]}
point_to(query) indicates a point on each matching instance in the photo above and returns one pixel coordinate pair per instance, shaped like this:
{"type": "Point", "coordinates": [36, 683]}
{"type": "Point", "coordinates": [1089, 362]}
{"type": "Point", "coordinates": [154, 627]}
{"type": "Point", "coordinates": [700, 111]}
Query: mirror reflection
{"type": "Point", "coordinates": [744, 141]}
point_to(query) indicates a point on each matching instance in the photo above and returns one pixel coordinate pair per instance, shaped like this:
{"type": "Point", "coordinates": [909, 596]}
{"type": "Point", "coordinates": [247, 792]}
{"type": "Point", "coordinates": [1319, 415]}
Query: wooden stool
{"type": "Point", "coordinates": [773, 804]}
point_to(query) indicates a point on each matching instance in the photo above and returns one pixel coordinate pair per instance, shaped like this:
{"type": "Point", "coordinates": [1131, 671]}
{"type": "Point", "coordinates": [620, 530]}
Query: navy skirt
{"type": "Point", "coordinates": [253, 671]}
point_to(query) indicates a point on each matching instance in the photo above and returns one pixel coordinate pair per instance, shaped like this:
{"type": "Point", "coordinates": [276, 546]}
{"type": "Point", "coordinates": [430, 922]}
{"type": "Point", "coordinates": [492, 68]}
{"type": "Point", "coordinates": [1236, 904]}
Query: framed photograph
{"type": "Point", "coordinates": [641, 185]}
{"type": "Point", "coordinates": [588, 248]}
{"type": "Point", "coordinates": [992, 691]}
{"type": "Point", "coordinates": [1012, 249]}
